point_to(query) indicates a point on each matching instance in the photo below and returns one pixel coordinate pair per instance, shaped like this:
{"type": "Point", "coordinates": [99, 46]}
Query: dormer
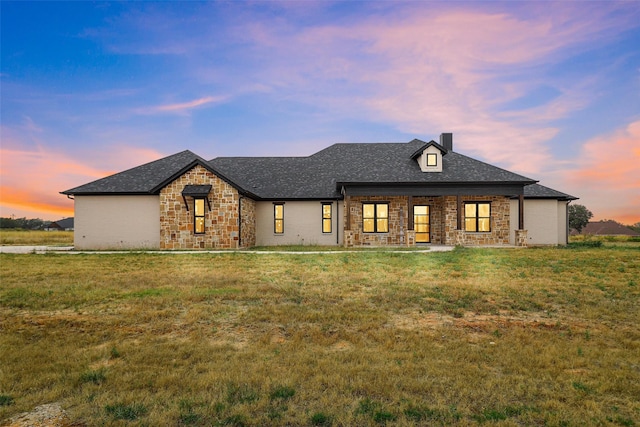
{"type": "Point", "coordinates": [429, 157]}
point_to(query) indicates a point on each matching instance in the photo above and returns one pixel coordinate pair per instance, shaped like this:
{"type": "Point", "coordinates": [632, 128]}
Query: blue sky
{"type": "Point", "coordinates": [550, 90]}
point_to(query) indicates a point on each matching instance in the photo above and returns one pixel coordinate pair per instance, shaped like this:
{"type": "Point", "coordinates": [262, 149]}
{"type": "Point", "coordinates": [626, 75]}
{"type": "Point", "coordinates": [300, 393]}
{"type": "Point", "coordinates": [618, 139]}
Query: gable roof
{"type": "Point", "coordinates": [319, 176]}
{"type": "Point", "coordinates": [608, 228]}
{"type": "Point", "coordinates": [420, 150]}
{"type": "Point", "coordinates": [62, 223]}
{"type": "Point", "coordinates": [148, 178]}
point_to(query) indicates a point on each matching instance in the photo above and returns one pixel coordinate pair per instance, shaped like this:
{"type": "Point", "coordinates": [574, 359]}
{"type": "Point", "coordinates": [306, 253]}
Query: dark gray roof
{"type": "Point", "coordinates": [537, 191]}
{"type": "Point", "coordinates": [144, 179]}
{"type": "Point", "coordinates": [63, 223]}
{"type": "Point", "coordinates": [196, 190]}
{"type": "Point", "coordinates": [318, 176]}
{"type": "Point", "coordinates": [607, 228]}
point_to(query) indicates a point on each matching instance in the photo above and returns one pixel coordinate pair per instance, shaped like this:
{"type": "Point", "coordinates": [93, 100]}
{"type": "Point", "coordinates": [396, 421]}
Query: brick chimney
{"type": "Point", "coordinates": [446, 140]}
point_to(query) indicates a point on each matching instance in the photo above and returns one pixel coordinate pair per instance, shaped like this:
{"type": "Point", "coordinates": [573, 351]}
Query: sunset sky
{"type": "Point", "coordinates": [550, 90]}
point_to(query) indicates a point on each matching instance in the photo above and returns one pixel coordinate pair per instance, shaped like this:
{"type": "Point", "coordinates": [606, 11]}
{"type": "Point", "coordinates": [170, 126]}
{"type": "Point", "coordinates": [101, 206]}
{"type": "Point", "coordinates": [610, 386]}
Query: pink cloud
{"type": "Point", "coordinates": [182, 107]}
{"type": "Point", "coordinates": [31, 179]}
{"type": "Point", "coordinates": [606, 176]}
{"type": "Point", "coordinates": [442, 69]}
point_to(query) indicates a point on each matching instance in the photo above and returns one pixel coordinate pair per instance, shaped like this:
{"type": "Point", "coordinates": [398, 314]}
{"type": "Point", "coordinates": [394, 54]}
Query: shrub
{"type": "Point", "coordinates": [95, 377]}
{"type": "Point", "coordinates": [120, 411]}
{"type": "Point", "coordinates": [6, 400]}
{"type": "Point", "coordinates": [282, 392]}
{"type": "Point", "coordinates": [320, 419]}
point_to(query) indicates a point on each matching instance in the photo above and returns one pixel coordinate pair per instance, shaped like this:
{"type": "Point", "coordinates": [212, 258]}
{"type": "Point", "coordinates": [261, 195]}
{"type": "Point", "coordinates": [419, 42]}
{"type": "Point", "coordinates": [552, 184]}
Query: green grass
{"type": "Point", "coordinates": [542, 336]}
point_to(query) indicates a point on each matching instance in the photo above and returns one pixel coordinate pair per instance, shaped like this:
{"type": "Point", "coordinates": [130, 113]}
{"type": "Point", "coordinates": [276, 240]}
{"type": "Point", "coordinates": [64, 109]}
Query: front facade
{"type": "Point", "coordinates": [392, 194]}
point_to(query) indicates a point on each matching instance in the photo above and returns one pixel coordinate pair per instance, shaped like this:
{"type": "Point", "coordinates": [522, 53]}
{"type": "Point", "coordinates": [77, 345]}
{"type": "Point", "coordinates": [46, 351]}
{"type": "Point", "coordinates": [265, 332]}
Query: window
{"type": "Point", "coordinates": [326, 217]}
{"type": "Point", "coordinates": [477, 216]}
{"type": "Point", "coordinates": [198, 216]}
{"type": "Point", "coordinates": [375, 217]}
{"type": "Point", "coordinates": [278, 218]}
{"type": "Point", "coordinates": [432, 159]}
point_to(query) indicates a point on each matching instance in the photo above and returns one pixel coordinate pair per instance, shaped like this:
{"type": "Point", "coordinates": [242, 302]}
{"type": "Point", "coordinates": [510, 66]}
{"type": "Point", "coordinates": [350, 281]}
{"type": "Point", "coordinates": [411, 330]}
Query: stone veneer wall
{"type": "Point", "coordinates": [248, 233]}
{"type": "Point", "coordinates": [500, 226]}
{"type": "Point", "coordinates": [221, 222]}
{"type": "Point", "coordinates": [397, 221]}
{"type": "Point", "coordinates": [443, 221]}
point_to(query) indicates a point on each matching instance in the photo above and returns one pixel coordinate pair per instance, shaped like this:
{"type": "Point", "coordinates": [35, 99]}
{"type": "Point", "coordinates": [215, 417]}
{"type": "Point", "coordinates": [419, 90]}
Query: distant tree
{"type": "Point", "coordinates": [8, 223]}
{"type": "Point", "coordinates": [579, 217]}
{"type": "Point", "coordinates": [635, 227]}
{"type": "Point", "coordinates": [24, 223]}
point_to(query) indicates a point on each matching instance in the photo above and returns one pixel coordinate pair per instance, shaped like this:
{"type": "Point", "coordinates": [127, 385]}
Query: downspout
{"type": "Point", "coordinates": [566, 235]}
{"type": "Point", "coordinates": [337, 221]}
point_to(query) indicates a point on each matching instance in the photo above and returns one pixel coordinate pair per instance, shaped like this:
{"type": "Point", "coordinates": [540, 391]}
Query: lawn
{"type": "Point", "coordinates": [36, 237]}
{"type": "Point", "coordinates": [469, 337]}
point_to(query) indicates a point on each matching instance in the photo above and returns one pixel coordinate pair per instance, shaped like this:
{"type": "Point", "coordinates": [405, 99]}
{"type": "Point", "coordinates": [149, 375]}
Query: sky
{"type": "Point", "coordinates": [549, 90]}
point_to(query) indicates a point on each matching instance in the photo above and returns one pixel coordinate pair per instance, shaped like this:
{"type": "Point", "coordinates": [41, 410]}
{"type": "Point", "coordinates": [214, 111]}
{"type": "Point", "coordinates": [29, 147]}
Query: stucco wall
{"type": "Point", "coordinates": [117, 222]}
{"type": "Point", "coordinates": [302, 224]}
{"type": "Point", "coordinates": [544, 219]}
{"type": "Point", "coordinates": [563, 231]}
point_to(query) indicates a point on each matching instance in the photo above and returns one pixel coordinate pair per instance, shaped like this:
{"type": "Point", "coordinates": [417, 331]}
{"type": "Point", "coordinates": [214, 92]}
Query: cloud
{"type": "Point", "coordinates": [31, 179]}
{"type": "Point", "coordinates": [606, 177]}
{"type": "Point", "coordinates": [182, 107]}
{"type": "Point", "coordinates": [425, 69]}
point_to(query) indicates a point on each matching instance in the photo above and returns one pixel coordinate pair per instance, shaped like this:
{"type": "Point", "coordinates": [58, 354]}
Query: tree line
{"type": "Point", "coordinates": [24, 223]}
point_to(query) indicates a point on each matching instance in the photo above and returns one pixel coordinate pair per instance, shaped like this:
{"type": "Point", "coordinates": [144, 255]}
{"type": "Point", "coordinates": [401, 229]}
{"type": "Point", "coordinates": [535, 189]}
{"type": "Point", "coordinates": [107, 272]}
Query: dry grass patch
{"type": "Point", "coordinates": [541, 336]}
{"type": "Point", "coordinates": [36, 237]}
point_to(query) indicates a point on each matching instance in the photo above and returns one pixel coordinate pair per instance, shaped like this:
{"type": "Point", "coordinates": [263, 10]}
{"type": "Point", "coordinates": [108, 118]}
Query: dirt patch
{"type": "Point", "coordinates": [481, 323]}
{"type": "Point", "coordinates": [49, 415]}
{"type": "Point", "coordinates": [341, 346]}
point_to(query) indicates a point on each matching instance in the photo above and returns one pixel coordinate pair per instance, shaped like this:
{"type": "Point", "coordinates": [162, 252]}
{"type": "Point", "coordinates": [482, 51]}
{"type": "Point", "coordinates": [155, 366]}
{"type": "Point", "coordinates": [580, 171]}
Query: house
{"type": "Point", "coordinates": [346, 194]}
{"type": "Point", "coordinates": [607, 228]}
{"type": "Point", "coordinates": [65, 224]}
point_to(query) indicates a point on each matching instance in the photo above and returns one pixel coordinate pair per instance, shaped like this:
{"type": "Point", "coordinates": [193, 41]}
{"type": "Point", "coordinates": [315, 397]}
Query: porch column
{"type": "Point", "coordinates": [348, 234]}
{"type": "Point", "coordinates": [521, 212]}
{"type": "Point", "coordinates": [459, 212]}
{"type": "Point", "coordinates": [347, 212]}
{"type": "Point", "coordinates": [411, 234]}
{"type": "Point", "coordinates": [410, 213]}
{"type": "Point", "coordinates": [521, 233]}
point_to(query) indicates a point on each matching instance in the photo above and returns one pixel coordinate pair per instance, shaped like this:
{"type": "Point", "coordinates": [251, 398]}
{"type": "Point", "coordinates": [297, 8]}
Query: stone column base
{"type": "Point", "coordinates": [459, 237]}
{"type": "Point", "coordinates": [521, 238]}
{"type": "Point", "coordinates": [348, 238]}
{"type": "Point", "coordinates": [411, 238]}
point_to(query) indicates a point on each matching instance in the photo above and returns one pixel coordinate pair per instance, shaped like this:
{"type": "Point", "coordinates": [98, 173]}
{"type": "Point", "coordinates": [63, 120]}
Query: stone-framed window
{"type": "Point", "coordinates": [198, 215]}
{"type": "Point", "coordinates": [375, 217]}
{"type": "Point", "coordinates": [278, 218]}
{"type": "Point", "coordinates": [327, 209]}
{"type": "Point", "coordinates": [477, 217]}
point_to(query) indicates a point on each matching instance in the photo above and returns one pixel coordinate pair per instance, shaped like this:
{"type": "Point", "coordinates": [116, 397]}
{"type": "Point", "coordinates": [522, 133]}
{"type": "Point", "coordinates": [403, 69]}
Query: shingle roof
{"type": "Point", "coordinates": [608, 228]}
{"type": "Point", "coordinates": [315, 176]}
{"type": "Point", "coordinates": [537, 191]}
{"type": "Point", "coordinates": [63, 223]}
{"type": "Point", "coordinates": [144, 179]}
